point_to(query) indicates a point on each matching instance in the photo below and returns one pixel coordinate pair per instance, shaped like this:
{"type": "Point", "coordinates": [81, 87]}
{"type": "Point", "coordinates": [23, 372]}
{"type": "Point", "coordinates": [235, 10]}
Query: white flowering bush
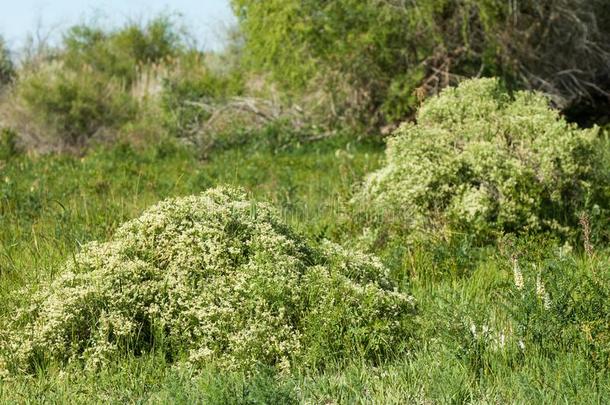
{"type": "Point", "coordinates": [480, 161]}
{"type": "Point", "coordinates": [211, 278]}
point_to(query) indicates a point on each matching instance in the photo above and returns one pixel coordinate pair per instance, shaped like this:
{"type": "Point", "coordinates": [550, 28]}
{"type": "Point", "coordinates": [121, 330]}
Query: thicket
{"type": "Point", "coordinates": [74, 104]}
{"type": "Point", "coordinates": [375, 59]}
{"type": "Point", "coordinates": [118, 53]}
{"type": "Point", "coordinates": [481, 162]}
{"type": "Point", "coordinates": [86, 86]}
{"type": "Point", "coordinates": [142, 81]}
{"type": "Point", "coordinates": [7, 68]}
{"type": "Point", "coordinates": [309, 69]}
{"type": "Point", "coordinates": [96, 82]}
{"type": "Point", "coordinates": [211, 278]}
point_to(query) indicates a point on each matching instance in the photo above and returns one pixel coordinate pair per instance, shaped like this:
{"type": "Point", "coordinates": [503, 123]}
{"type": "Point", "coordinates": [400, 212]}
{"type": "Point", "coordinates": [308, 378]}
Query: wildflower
{"type": "Point", "coordinates": [517, 275]}
{"type": "Point", "coordinates": [586, 233]}
{"type": "Point", "coordinates": [541, 292]}
{"type": "Point", "coordinates": [565, 250]}
{"type": "Point", "coordinates": [502, 340]}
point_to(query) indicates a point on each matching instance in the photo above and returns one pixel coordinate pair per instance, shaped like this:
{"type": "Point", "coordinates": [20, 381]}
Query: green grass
{"type": "Point", "coordinates": [49, 205]}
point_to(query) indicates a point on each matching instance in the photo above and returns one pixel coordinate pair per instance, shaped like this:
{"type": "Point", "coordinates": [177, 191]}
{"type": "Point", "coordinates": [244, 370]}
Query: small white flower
{"type": "Point", "coordinates": [565, 250]}
{"type": "Point", "coordinates": [541, 292]}
{"type": "Point", "coordinates": [199, 269]}
{"type": "Point", "coordinates": [518, 275]}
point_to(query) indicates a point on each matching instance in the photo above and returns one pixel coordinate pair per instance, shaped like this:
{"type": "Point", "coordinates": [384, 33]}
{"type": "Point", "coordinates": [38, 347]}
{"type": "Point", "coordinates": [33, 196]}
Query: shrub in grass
{"type": "Point", "coordinates": [480, 161]}
{"type": "Point", "coordinates": [212, 278]}
{"type": "Point", "coordinates": [118, 53]}
{"type": "Point", "coordinates": [75, 104]}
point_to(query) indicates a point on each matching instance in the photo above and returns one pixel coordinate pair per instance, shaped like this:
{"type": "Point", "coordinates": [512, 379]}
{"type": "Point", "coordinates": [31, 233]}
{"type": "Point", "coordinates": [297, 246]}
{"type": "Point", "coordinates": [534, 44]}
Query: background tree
{"type": "Point", "coordinates": [377, 58]}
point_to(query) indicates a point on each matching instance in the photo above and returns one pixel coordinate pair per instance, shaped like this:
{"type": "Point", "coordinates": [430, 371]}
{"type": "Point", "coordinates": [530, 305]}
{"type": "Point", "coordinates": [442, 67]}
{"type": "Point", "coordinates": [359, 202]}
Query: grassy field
{"type": "Point", "coordinates": [365, 207]}
{"type": "Point", "coordinates": [479, 338]}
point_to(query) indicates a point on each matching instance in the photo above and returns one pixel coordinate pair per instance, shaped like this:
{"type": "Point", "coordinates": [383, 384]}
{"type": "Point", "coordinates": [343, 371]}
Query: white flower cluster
{"type": "Point", "coordinates": [213, 277]}
{"type": "Point", "coordinates": [518, 275]}
{"type": "Point", "coordinates": [496, 340]}
{"type": "Point", "coordinates": [479, 160]}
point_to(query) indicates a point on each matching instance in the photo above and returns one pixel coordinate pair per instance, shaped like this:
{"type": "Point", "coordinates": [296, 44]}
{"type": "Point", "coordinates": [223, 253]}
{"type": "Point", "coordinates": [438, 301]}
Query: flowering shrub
{"type": "Point", "coordinates": [481, 161]}
{"type": "Point", "coordinates": [213, 277]}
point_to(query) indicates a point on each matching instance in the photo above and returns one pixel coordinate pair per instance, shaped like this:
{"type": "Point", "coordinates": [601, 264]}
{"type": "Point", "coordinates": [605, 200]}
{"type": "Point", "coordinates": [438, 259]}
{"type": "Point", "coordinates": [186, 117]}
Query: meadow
{"type": "Point", "coordinates": [449, 239]}
{"type": "Point", "coordinates": [53, 204]}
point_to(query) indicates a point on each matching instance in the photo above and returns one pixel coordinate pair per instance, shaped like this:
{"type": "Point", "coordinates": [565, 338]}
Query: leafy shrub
{"type": "Point", "coordinates": [118, 53]}
{"type": "Point", "coordinates": [480, 161]}
{"type": "Point", "coordinates": [7, 69]}
{"type": "Point", "coordinates": [75, 104]}
{"type": "Point", "coordinates": [95, 80]}
{"type": "Point", "coordinates": [213, 277]}
{"type": "Point", "coordinates": [373, 55]}
{"type": "Point", "coordinates": [352, 49]}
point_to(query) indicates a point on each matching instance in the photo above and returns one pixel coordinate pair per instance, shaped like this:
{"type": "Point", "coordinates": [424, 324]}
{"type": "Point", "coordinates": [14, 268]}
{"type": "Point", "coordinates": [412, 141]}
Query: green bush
{"type": "Point", "coordinates": [480, 161]}
{"type": "Point", "coordinates": [372, 56]}
{"type": "Point", "coordinates": [95, 80]}
{"type": "Point", "coordinates": [119, 53]}
{"type": "Point", "coordinates": [213, 277]}
{"type": "Point", "coordinates": [356, 51]}
{"type": "Point", "coordinates": [75, 104]}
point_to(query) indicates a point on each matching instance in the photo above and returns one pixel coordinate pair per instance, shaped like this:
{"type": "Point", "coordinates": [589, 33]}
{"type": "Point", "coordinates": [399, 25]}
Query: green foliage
{"type": "Point", "coordinates": [371, 57]}
{"type": "Point", "coordinates": [349, 47]}
{"type": "Point", "coordinates": [97, 80]}
{"type": "Point", "coordinates": [7, 68]}
{"type": "Point", "coordinates": [480, 161]}
{"type": "Point", "coordinates": [75, 104]}
{"type": "Point", "coordinates": [119, 53]}
{"type": "Point", "coordinates": [52, 204]}
{"type": "Point", "coordinates": [138, 81]}
{"type": "Point", "coordinates": [559, 300]}
{"type": "Point", "coordinates": [8, 144]}
{"type": "Point", "coordinates": [189, 88]}
{"type": "Point", "coordinates": [213, 277]}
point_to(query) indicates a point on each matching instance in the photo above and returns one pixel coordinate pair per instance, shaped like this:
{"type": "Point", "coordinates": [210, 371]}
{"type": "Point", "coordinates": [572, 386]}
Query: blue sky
{"type": "Point", "coordinates": [206, 19]}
